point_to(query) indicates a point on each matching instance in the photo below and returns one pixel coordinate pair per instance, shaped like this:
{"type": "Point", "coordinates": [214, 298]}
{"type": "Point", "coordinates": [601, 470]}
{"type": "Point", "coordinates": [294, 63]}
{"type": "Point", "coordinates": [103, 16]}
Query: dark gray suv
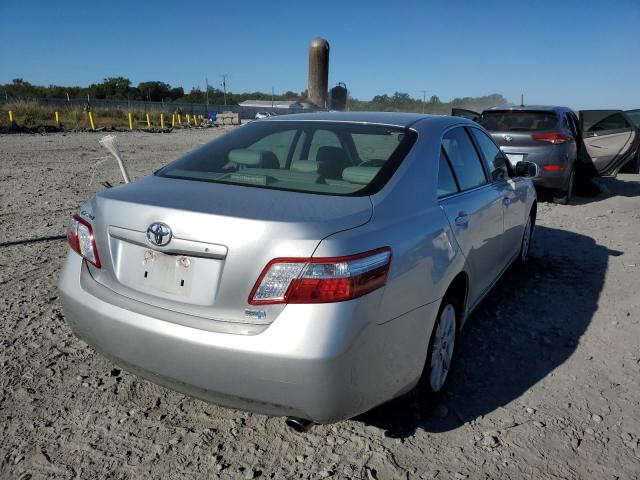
{"type": "Point", "coordinates": [593, 142]}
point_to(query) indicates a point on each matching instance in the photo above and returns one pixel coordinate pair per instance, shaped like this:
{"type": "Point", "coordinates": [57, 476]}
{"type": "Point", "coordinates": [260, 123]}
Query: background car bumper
{"type": "Point", "coordinates": [320, 362]}
{"type": "Point", "coordinates": [545, 155]}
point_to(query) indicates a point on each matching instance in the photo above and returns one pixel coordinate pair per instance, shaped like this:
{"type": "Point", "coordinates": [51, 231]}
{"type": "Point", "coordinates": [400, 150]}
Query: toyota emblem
{"type": "Point", "coordinates": [159, 234]}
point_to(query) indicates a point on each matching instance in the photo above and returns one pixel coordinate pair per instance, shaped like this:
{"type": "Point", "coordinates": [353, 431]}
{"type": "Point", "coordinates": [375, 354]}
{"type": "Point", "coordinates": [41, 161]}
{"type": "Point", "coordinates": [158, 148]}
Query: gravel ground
{"type": "Point", "coordinates": [547, 382]}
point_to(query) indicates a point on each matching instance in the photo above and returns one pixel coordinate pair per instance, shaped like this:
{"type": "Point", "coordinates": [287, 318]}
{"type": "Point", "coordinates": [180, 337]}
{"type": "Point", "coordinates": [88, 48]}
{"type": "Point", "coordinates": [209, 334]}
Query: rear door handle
{"type": "Point", "coordinates": [462, 220]}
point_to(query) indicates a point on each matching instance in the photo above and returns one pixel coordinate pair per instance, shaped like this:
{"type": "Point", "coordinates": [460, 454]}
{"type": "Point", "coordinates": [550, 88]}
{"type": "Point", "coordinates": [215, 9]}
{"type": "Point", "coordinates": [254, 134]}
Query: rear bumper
{"type": "Point", "coordinates": [321, 362]}
{"type": "Point", "coordinates": [557, 180]}
{"type": "Point", "coordinates": [556, 155]}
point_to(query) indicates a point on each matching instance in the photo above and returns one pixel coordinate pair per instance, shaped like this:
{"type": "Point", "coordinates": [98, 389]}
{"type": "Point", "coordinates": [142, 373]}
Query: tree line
{"type": "Point", "coordinates": [120, 88]}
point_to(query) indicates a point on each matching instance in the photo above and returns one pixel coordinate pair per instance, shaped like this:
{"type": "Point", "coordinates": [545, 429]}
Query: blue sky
{"type": "Point", "coordinates": [583, 54]}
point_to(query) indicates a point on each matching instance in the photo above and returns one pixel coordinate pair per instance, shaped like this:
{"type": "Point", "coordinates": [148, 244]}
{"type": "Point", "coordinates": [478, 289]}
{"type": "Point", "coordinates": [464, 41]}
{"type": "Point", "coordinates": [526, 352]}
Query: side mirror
{"type": "Point", "coordinates": [526, 169]}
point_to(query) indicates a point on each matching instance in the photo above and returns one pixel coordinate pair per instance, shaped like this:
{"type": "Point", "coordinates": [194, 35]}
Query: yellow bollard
{"type": "Point", "coordinates": [179, 119]}
{"type": "Point", "coordinates": [57, 119]}
{"type": "Point", "coordinates": [148, 121]}
{"type": "Point", "coordinates": [10, 116]}
{"type": "Point", "coordinates": [188, 119]}
{"type": "Point", "coordinates": [173, 119]}
{"type": "Point", "coordinates": [130, 121]}
{"type": "Point", "coordinates": [93, 126]}
{"type": "Point", "coordinates": [161, 119]}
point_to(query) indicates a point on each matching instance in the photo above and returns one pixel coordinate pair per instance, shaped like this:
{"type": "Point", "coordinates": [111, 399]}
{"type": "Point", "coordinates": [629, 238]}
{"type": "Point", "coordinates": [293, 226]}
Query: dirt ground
{"type": "Point", "coordinates": [547, 384]}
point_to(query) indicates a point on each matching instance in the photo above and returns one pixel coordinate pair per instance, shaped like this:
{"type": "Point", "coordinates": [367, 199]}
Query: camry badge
{"type": "Point", "coordinates": [159, 234]}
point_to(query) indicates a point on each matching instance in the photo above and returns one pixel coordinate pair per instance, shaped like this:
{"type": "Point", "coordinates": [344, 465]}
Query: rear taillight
{"type": "Point", "coordinates": [555, 138]}
{"type": "Point", "coordinates": [81, 239]}
{"type": "Point", "coordinates": [553, 168]}
{"type": "Point", "coordinates": [321, 280]}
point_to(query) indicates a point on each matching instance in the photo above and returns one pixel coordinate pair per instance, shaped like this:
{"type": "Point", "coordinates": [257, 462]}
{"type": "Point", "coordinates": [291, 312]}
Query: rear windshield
{"type": "Point", "coordinates": [314, 157]}
{"type": "Point", "coordinates": [515, 121]}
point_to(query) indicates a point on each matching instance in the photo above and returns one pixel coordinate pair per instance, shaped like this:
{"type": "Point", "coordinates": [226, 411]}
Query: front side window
{"type": "Point", "coordinates": [463, 158]}
{"type": "Point", "coordinates": [492, 154]}
{"type": "Point", "coordinates": [313, 157]}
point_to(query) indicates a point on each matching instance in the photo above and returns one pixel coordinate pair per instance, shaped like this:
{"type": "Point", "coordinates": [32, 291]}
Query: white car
{"type": "Point", "coordinates": [260, 115]}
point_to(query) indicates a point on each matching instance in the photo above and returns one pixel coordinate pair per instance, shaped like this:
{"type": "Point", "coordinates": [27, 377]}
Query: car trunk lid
{"type": "Point", "coordinates": [222, 236]}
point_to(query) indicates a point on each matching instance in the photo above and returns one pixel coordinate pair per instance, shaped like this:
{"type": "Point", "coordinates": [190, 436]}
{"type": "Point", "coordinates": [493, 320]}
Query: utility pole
{"type": "Point", "coordinates": [522, 99]}
{"type": "Point", "coordinates": [424, 99]}
{"type": "Point", "coordinates": [271, 97]}
{"type": "Point", "coordinates": [206, 108]}
{"type": "Point", "coordinates": [224, 87]}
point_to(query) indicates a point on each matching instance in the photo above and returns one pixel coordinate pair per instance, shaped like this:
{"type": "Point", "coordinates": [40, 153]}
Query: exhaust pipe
{"type": "Point", "coordinates": [299, 425]}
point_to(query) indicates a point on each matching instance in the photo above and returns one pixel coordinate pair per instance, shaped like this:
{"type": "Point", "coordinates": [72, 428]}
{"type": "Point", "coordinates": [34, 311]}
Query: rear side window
{"type": "Point", "coordinates": [370, 147]}
{"type": "Point", "coordinates": [463, 158]}
{"type": "Point", "coordinates": [518, 121]}
{"type": "Point", "coordinates": [312, 157]}
{"type": "Point", "coordinates": [446, 181]}
{"type": "Point", "coordinates": [492, 154]}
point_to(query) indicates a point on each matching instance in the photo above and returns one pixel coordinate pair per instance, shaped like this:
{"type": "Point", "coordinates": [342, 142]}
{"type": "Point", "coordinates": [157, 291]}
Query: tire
{"type": "Point", "coordinates": [525, 244]}
{"type": "Point", "coordinates": [564, 196]}
{"type": "Point", "coordinates": [441, 354]}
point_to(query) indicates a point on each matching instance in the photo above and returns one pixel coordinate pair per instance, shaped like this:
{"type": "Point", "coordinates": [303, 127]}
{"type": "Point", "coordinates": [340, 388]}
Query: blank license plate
{"type": "Point", "coordinates": [168, 273]}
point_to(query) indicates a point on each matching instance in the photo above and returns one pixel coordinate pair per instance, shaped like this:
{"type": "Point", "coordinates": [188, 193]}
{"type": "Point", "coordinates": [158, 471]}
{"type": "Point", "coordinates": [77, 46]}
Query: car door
{"type": "Point", "coordinates": [461, 112]}
{"type": "Point", "coordinates": [633, 166]}
{"type": "Point", "coordinates": [474, 211]}
{"type": "Point", "coordinates": [514, 193]}
{"type": "Point", "coordinates": [610, 139]}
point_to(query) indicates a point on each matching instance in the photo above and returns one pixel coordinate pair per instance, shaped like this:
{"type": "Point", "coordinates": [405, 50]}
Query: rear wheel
{"type": "Point", "coordinates": [525, 246]}
{"type": "Point", "coordinates": [564, 196]}
{"type": "Point", "coordinates": [440, 355]}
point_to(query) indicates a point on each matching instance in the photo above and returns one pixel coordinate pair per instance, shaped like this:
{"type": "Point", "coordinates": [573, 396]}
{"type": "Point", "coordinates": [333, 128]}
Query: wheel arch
{"type": "Point", "coordinates": [459, 287]}
{"type": "Point", "coordinates": [533, 213]}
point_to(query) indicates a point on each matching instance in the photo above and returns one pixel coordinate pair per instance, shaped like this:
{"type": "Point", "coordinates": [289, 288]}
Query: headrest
{"type": "Point", "coordinates": [332, 161]}
{"type": "Point", "coordinates": [335, 155]}
{"type": "Point", "coordinates": [306, 166]}
{"type": "Point", "coordinates": [244, 156]}
{"type": "Point", "coordinates": [360, 175]}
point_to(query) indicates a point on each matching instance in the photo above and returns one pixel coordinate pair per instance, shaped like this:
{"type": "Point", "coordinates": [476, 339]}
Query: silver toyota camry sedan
{"type": "Point", "coordinates": [310, 266]}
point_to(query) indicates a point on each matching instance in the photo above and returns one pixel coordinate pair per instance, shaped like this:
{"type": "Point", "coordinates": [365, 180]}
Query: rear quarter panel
{"type": "Point", "coordinates": [407, 218]}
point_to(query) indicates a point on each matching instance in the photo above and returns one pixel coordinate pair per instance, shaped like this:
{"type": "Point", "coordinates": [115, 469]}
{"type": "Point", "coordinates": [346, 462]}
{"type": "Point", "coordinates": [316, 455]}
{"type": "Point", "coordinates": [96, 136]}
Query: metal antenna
{"type": "Point", "coordinates": [224, 87]}
{"type": "Point", "coordinates": [206, 82]}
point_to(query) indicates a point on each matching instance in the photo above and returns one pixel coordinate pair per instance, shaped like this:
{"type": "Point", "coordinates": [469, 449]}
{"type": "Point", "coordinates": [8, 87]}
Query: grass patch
{"type": "Point", "coordinates": [32, 114]}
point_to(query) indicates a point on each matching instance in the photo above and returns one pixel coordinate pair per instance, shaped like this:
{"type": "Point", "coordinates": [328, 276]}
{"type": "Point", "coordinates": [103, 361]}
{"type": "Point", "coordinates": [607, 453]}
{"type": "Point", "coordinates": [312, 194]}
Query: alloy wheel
{"type": "Point", "coordinates": [443, 344]}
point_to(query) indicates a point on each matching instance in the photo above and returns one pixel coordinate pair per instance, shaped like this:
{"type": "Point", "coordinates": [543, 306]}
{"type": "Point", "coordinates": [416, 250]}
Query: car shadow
{"type": "Point", "coordinates": [525, 328]}
{"type": "Point", "coordinates": [597, 188]}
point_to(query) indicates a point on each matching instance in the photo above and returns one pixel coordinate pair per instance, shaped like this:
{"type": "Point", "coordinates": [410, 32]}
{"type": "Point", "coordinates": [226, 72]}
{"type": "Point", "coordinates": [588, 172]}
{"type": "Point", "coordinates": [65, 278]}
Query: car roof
{"type": "Point", "coordinates": [524, 108]}
{"type": "Point", "coordinates": [382, 118]}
